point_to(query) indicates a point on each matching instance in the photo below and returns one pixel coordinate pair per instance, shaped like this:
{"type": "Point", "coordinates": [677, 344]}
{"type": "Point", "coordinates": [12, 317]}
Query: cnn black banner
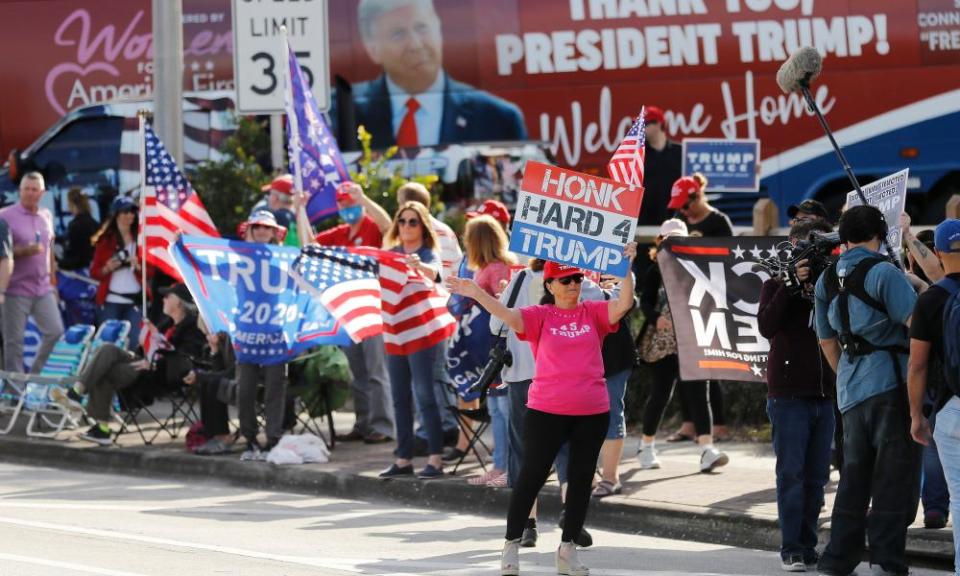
{"type": "Point", "coordinates": [713, 287]}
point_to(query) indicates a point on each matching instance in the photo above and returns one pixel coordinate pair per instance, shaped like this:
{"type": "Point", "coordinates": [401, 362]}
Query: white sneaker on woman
{"type": "Point", "coordinates": [568, 564]}
{"type": "Point", "coordinates": [510, 558]}
{"type": "Point", "coordinates": [647, 455]}
{"type": "Point", "coordinates": [711, 459]}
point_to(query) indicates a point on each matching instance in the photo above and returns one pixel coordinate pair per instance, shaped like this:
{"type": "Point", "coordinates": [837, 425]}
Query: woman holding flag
{"type": "Point", "coordinates": [411, 372]}
{"type": "Point", "coordinates": [568, 399]}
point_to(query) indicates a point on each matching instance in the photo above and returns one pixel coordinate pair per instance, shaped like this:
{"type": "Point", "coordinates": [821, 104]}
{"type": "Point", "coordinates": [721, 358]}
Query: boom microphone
{"type": "Point", "coordinates": [797, 72]}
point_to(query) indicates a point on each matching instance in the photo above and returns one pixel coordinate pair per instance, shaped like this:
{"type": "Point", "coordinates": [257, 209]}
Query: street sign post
{"type": "Point", "coordinates": [258, 51]}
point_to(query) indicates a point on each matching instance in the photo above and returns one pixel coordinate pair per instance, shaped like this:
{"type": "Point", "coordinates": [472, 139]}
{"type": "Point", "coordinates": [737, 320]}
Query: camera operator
{"type": "Point", "coordinates": [863, 310]}
{"type": "Point", "coordinates": [800, 400]}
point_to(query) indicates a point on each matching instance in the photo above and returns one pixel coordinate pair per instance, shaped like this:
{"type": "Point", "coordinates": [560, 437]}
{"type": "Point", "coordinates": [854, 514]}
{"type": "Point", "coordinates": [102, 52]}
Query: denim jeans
{"type": "Point", "coordinates": [412, 375]}
{"type": "Point", "coordinates": [933, 485]}
{"type": "Point", "coordinates": [947, 435]}
{"type": "Point", "coordinates": [802, 433]}
{"type": "Point", "coordinates": [129, 312]}
{"type": "Point", "coordinates": [616, 388]}
{"type": "Point", "coordinates": [499, 407]}
{"type": "Point", "coordinates": [881, 469]}
{"type": "Point", "coordinates": [444, 395]}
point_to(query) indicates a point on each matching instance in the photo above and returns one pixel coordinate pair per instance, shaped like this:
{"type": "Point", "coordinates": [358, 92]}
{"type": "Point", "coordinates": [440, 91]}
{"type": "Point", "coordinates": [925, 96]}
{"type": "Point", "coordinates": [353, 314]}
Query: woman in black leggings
{"type": "Point", "coordinates": [666, 371]}
{"type": "Point", "coordinates": [567, 401]}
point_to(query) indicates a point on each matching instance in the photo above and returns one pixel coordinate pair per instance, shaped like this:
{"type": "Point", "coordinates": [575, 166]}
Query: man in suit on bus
{"type": "Point", "coordinates": [415, 102]}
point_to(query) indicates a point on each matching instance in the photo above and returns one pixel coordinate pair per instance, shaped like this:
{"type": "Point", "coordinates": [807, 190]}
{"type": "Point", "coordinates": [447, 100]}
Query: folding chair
{"type": "Point", "coordinates": [480, 415]}
{"type": "Point", "coordinates": [48, 418]}
{"type": "Point", "coordinates": [116, 332]}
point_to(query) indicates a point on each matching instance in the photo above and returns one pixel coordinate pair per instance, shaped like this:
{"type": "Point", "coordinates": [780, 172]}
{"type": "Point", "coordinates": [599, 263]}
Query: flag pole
{"type": "Point", "coordinates": [294, 133]}
{"type": "Point", "coordinates": [143, 218]}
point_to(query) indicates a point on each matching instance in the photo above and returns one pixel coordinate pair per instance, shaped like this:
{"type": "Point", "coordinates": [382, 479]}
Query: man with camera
{"type": "Point", "coordinates": [800, 400]}
{"type": "Point", "coordinates": [863, 310]}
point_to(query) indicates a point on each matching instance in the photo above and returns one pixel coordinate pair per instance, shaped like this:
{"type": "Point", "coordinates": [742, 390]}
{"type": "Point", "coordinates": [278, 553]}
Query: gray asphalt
{"type": "Point", "coordinates": [56, 522]}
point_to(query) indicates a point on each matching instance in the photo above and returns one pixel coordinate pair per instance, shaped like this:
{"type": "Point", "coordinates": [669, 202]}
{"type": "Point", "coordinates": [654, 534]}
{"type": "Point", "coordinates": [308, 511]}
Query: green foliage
{"type": "Point", "coordinates": [230, 187]}
{"type": "Point", "coordinates": [380, 181]}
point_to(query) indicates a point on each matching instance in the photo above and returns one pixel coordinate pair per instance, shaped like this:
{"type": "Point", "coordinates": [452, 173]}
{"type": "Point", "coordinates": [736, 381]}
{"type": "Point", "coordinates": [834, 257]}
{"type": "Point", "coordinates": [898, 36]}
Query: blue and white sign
{"type": "Point", "coordinates": [729, 165]}
{"type": "Point", "coordinates": [246, 290]}
{"type": "Point", "coordinates": [469, 350]}
{"type": "Point", "coordinates": [889, 195]}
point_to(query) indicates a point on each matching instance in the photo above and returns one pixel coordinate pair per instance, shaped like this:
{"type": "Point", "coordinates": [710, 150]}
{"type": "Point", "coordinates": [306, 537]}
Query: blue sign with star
{"type": "Point", "coordinates": [246, 290]}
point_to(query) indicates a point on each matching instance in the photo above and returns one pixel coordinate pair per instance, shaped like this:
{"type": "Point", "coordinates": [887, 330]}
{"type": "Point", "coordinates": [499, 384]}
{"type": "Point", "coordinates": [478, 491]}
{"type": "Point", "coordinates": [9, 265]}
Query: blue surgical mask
{"type": "Point", "coordinates": [351, 214]}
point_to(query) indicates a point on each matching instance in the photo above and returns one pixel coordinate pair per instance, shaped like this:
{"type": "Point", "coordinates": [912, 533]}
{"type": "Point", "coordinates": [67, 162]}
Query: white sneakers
{"type": "Point", "coordinates": [647, 455]}
{"type": "Point", "coordinates": [711, 459]}
{"type": "Point", "coordinates": [510, 558]}
{"type": "Point", "coordinates": [568, 564]}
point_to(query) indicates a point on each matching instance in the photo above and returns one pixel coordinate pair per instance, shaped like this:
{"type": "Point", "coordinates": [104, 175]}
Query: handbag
{"type": "Point", "coordinates": [656, 344]}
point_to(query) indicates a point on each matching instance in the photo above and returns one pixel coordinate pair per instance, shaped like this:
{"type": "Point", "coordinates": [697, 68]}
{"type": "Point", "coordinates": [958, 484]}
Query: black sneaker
{"type": "Point", "coordinates": [98, 436]}
{"type": "Point", "coordinates": [793, 563]}
{"type": "Point", "coordinates": [430, 472]}
{"type": "Point", "coordinates": [453, 454]}
{"type": "Point", "coordinates": [395, 471]}
{"type": "Point", "coordinates": [529, 537]}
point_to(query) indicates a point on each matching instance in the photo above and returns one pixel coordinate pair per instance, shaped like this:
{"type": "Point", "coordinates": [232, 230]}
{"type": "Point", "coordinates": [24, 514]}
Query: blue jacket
{"type": "Point", "coordinates": [469, 114]}
{"type": "Point", "coordinates": [866, 376]}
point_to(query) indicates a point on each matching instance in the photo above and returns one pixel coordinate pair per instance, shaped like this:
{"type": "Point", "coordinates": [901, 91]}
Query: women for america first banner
{"type": "Point", "coordinates": [713, 286]}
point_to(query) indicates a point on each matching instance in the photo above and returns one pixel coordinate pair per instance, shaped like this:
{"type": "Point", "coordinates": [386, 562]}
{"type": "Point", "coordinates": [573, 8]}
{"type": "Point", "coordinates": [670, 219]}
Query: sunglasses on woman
{"type": "Point", "coordinates": [566, 280]}
{"type": "Point", "coordinates": [412, 222]}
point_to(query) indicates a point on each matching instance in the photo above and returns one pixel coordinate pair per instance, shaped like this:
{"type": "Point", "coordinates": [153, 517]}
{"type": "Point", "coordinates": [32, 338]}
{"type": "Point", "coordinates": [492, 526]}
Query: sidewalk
{"type": "Point", "coordinates": [734, 506]}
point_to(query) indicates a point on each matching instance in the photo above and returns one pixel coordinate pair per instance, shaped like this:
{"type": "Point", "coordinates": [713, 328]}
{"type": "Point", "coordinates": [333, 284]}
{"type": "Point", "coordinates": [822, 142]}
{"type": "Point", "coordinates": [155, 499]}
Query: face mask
{"type": "Point", "coordinates": [351, 214]}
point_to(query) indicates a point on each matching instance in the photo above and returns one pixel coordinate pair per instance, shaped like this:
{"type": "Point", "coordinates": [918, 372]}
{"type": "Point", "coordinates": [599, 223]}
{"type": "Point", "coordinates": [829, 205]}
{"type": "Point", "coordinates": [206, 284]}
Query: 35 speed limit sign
{"type": "Point", "coordinates": [258, 59]}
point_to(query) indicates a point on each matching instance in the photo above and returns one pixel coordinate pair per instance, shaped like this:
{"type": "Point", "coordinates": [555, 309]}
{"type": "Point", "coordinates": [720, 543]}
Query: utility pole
{"type": "Point", "coordinates": [168, 75]}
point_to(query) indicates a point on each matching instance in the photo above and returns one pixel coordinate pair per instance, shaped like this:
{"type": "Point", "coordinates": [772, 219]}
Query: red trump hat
{"type": "Point", "coordinates": [553, 270]}
{"type": "Point", "coordinates": [492, 208]}
{"type": "Point", "coordinates": [653, 114]}
{"type": "Point", "coordinates": [282, 184]}
{"type": "Point", "coordinates": [681, 191]}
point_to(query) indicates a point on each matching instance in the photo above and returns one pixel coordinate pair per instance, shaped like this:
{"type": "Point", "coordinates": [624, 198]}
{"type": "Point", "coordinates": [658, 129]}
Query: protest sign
{"type": "Point", "coordinates": [729, 165]}
{"type": "Point", "coordinates": [575, 218]}
{"type": "Point", "coordinates": [246, 290]}
{"type": "Point", "coordinates": [469, 350]}
{"type": "Point", "coordinates": [713, 287]}
{"type": "Point", "coordinates": [889, 195]}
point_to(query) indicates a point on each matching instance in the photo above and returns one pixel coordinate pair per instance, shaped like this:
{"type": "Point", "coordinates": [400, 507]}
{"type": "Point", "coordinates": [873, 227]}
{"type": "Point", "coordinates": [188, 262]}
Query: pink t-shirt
{"type": "Point", "coordinates": [566, 345]}
{"type": "Point", "coordinates": [490, 276]}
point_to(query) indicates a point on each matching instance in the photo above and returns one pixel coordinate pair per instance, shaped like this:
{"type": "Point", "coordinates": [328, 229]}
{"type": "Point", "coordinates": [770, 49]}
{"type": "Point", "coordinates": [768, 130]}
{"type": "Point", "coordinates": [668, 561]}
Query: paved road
{"type": "Point", "coordinates": [55, 522]}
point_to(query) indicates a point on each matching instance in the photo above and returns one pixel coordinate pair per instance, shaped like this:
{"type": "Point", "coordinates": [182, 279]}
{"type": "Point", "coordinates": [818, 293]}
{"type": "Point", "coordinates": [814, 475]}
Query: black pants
{"type": "Point", "coordinates": [213, 411]}
{"type": "Point", "coordinates": [692, 394]}
{"type": "Point", "coordinates": [687, 410]}
{"type": "Point", "coordinates": [880, 463]}
{"type": "Point", "coordinates": [543, 434]}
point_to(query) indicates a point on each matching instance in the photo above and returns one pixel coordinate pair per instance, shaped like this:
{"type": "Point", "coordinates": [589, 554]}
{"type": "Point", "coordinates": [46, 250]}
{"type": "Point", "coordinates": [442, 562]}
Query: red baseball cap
{"type": "Point", "coordinates": [343, 192]}
{"type": "Point", "coordinates": [653, 114]}
{"type": "Point", "coordinates": [681, 191]}
{"type": "Point", "coordinates": [282, 184]}
{"type": "Point", "coordinates": [492, 208]}
{"type": "Point", "coordinates": [553, 270]}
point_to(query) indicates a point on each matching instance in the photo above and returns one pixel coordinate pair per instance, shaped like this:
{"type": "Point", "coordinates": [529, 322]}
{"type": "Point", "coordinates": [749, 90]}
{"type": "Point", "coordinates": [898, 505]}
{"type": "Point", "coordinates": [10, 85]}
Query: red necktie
{"type": "Point", "coordinates": [407, 134]}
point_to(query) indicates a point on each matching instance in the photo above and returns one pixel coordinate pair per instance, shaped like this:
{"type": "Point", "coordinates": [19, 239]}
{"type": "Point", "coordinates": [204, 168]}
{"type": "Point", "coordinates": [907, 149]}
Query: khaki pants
{"type": "Point", "coordinates": [46, 315]}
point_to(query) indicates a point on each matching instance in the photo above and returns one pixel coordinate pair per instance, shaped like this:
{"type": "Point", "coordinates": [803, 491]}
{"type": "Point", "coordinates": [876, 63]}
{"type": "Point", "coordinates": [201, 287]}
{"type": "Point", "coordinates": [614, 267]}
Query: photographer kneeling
{"type": "Point", "coordinates": [568, 399]}
{"type": "Point", "coordinates": [800, 398]}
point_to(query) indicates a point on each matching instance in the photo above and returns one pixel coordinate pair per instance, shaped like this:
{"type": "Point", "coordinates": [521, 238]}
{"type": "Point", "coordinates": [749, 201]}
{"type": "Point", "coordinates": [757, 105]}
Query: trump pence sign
{"type": "Point", "coordinates": [575, 218]}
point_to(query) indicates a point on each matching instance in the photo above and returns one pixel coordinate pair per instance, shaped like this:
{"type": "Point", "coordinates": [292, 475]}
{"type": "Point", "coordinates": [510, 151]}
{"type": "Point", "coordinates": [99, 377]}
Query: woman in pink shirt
{"type": "Point", "coordinates": [568, 397]}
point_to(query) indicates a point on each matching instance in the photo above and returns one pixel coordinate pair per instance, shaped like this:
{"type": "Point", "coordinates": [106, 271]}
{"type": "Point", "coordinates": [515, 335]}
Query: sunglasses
{"type": "Point", "coordinates": [412, 222]}
{"type": "Point", "coordinates": [261, 227]}
{"type": "Point", "coordinates": [575, 278]}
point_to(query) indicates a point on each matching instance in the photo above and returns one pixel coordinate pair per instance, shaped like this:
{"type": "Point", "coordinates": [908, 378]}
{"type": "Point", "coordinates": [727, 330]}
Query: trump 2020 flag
{"type": "Point", "coordinates": [169, 203]}
{"type": "Point", "coordinates": [315, 160]}
{"type": "Point", "coordinates": [346, 284]}
{"type": "Point", "coordinates": [246, 290]}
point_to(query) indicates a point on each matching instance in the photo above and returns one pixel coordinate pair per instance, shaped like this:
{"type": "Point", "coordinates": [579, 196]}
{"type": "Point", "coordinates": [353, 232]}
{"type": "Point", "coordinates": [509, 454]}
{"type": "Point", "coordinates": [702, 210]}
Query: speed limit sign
{"type": "Point", "coordinates": [259, 61]}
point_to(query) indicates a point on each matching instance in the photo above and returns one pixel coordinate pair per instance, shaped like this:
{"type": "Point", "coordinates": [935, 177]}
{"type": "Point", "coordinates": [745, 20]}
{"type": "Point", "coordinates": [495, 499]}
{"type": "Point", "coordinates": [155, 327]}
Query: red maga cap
{"type": "Point", "coordinates": [282, 184]}
{"type": "Point", "coordinates": [653, 114]}
{"type": "Point", "coordinates": [492, 208]}
{"type": "Point", "coordinates": [681, 191]}
{"type": "Point", "coordinates": [553, 270]}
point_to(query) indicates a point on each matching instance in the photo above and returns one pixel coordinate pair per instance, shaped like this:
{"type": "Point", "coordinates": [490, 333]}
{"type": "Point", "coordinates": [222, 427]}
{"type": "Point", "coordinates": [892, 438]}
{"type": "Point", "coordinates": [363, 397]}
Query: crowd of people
{"type": "Point", "coordinates": [858, 373]}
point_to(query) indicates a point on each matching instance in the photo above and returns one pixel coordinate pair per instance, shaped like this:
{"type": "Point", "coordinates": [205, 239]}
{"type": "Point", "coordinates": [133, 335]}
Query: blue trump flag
{"type": "Point", "coordinates": [470, 349]}
{"type": "Point", "coordinates": [247, 291]}
{"type": "Point", "coordinates": [315, 160]}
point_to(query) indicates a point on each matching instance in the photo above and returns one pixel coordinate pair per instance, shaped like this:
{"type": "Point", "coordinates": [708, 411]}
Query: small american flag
{"type": "Point", "coordinates": [153, 341]}
{"type": "Point", "coordinates": [415, 314]}
{"type": "Point", "coordinates": [315, 159]}
{"type": "Point", "coordinates": [346, 284]}
{"type": "Point", "coordinates": [626, 165]}
{"type": "Point", "coordinates": [170, 204]}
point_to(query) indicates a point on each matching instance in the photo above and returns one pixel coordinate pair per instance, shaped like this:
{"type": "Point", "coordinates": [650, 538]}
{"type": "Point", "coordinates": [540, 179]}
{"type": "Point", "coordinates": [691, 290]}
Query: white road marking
{"type": "Point", "coordinates": [72, 567]}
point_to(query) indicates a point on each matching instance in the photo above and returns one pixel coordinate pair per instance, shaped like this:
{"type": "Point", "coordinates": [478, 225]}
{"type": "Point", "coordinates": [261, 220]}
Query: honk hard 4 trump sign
{"type": "Point", "coordinates": [575, 218]}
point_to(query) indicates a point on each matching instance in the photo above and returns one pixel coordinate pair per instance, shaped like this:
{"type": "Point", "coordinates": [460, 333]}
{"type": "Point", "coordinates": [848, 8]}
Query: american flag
{"type": "Point", "coordinates": [626, 165]}
{"type": "Point", "coordinates": [315, 159]}
{"type": "Point", "coordinates": [346, 284]}
{"type": "Point", "coordinates": [153, 341]}
{"type": "Point", "coordinates": [415, 314]}
{"type": "Point", "coordinates": [170, 204]}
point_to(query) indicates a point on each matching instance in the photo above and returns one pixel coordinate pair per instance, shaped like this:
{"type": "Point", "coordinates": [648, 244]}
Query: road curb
{"type": "Point", "coordinates": [727, 527]}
